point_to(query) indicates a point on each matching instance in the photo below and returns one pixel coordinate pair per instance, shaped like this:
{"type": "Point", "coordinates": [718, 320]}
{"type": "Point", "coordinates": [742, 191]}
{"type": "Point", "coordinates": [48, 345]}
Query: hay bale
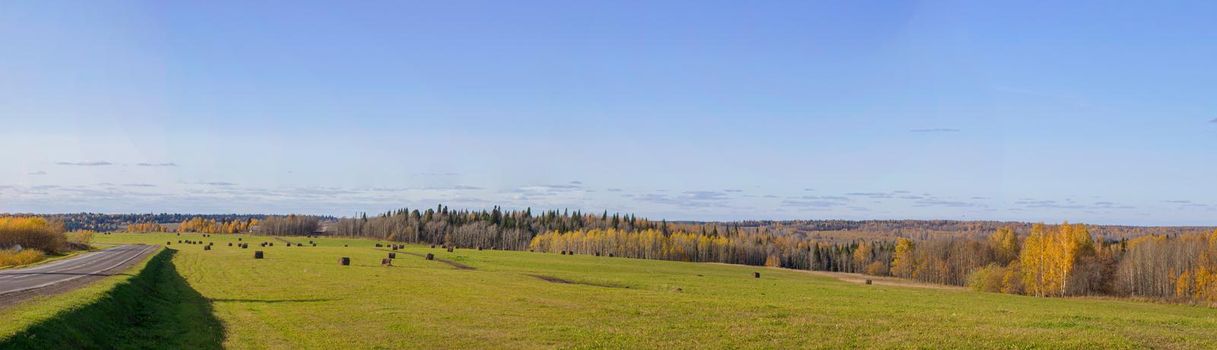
{"type": "Point", "coordinates": [258, 254]}
{"type": "Point", "coordinates": [386, 262]}
{"type": "Point", "coordinates": [345, 261]}
{"type": "Point", "coordinates": [756, 275]}
{"type": "Point", "coordinates": [392, 255]}
{"type": "Point", "coordinates": [430, 256]}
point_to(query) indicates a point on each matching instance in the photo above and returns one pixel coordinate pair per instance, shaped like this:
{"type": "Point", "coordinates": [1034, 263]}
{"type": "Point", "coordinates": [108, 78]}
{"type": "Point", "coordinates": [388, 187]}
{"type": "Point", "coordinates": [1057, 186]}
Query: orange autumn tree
{"type": "Point", "coordinates": [1049, 256]}
{"type": "Point", "coordinates": [201, 225]}
{"type": "Point", "coordinates": [903, 262]}
{"type": "Point", "coordinates": [1198, 283]}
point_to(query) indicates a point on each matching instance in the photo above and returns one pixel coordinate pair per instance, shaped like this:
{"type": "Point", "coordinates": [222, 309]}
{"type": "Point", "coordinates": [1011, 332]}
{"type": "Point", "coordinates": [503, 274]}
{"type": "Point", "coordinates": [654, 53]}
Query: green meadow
{"type": "Point", "coordinates": [302, 298]}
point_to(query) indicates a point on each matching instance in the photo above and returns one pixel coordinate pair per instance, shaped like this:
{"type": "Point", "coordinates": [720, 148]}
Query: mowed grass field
{"type": "Point", "coordinates": [300, 297]}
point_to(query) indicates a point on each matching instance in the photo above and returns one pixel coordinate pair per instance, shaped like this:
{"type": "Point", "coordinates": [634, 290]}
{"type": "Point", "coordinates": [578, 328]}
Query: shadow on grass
{"type": "Point", "coordinates": [156, 309]}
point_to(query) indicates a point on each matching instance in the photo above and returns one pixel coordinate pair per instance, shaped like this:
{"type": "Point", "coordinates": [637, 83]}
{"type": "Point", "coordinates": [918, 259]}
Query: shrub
{"type": "Point", "coordinates": [1012, 281]}
{"type": "Point", "coordinates": [31, 233]}
{"type": "Point", "coordinates": [84, 237]}
{"type": "Point", "coordinates": [12, 257]}
{"type": "Point", "coordinates": [877, 268]}
{"type": "Point", "coordinates": [987, 279]}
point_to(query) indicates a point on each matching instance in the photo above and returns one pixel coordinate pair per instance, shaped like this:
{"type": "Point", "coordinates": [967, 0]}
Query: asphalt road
{"type": "Point", "coordinates": [69, 273]}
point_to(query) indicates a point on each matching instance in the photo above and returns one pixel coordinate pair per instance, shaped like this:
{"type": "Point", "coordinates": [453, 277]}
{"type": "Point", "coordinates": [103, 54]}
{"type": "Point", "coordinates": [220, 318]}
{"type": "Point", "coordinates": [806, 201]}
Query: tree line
{"type": "Point", "coordinates": [1050, 260]}
{"type": "Point", "coordinates": [118, 222]}
{"type": "Point", "coordinates": [497, 228]}
{"type": "Point", "coordinates": [202, 225]}
{"type": "Point", "coordinates": [287, 225]}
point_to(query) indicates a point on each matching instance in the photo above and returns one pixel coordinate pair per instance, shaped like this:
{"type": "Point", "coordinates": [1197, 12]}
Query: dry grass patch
{"type": "Point", "coordinates": [24, 257]}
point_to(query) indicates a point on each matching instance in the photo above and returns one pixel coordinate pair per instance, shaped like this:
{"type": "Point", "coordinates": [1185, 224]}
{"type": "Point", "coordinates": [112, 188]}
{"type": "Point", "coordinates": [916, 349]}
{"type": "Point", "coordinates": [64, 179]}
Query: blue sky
{"type": "Point", "coordinates": [1096, 112]}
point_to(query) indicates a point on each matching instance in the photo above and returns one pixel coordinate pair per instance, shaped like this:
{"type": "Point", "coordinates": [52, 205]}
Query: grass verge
{"type": "Point", "coordinates": [154, 309]}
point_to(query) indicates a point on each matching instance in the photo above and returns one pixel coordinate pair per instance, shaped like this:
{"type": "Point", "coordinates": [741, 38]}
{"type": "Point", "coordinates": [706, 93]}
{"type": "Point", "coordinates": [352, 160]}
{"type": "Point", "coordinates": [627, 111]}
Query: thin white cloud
{"type": "Point", "coordinates": [688, 199]}
{"type": "Point", "coordinates": [90, 163]}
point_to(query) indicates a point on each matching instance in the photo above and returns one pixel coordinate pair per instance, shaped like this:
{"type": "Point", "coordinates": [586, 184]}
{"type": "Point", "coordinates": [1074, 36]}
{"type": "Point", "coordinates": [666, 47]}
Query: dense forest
{"type": "Point", "coordinates": [1051, 260]}
{"type": "Point", "coordinates": [496, 228]}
